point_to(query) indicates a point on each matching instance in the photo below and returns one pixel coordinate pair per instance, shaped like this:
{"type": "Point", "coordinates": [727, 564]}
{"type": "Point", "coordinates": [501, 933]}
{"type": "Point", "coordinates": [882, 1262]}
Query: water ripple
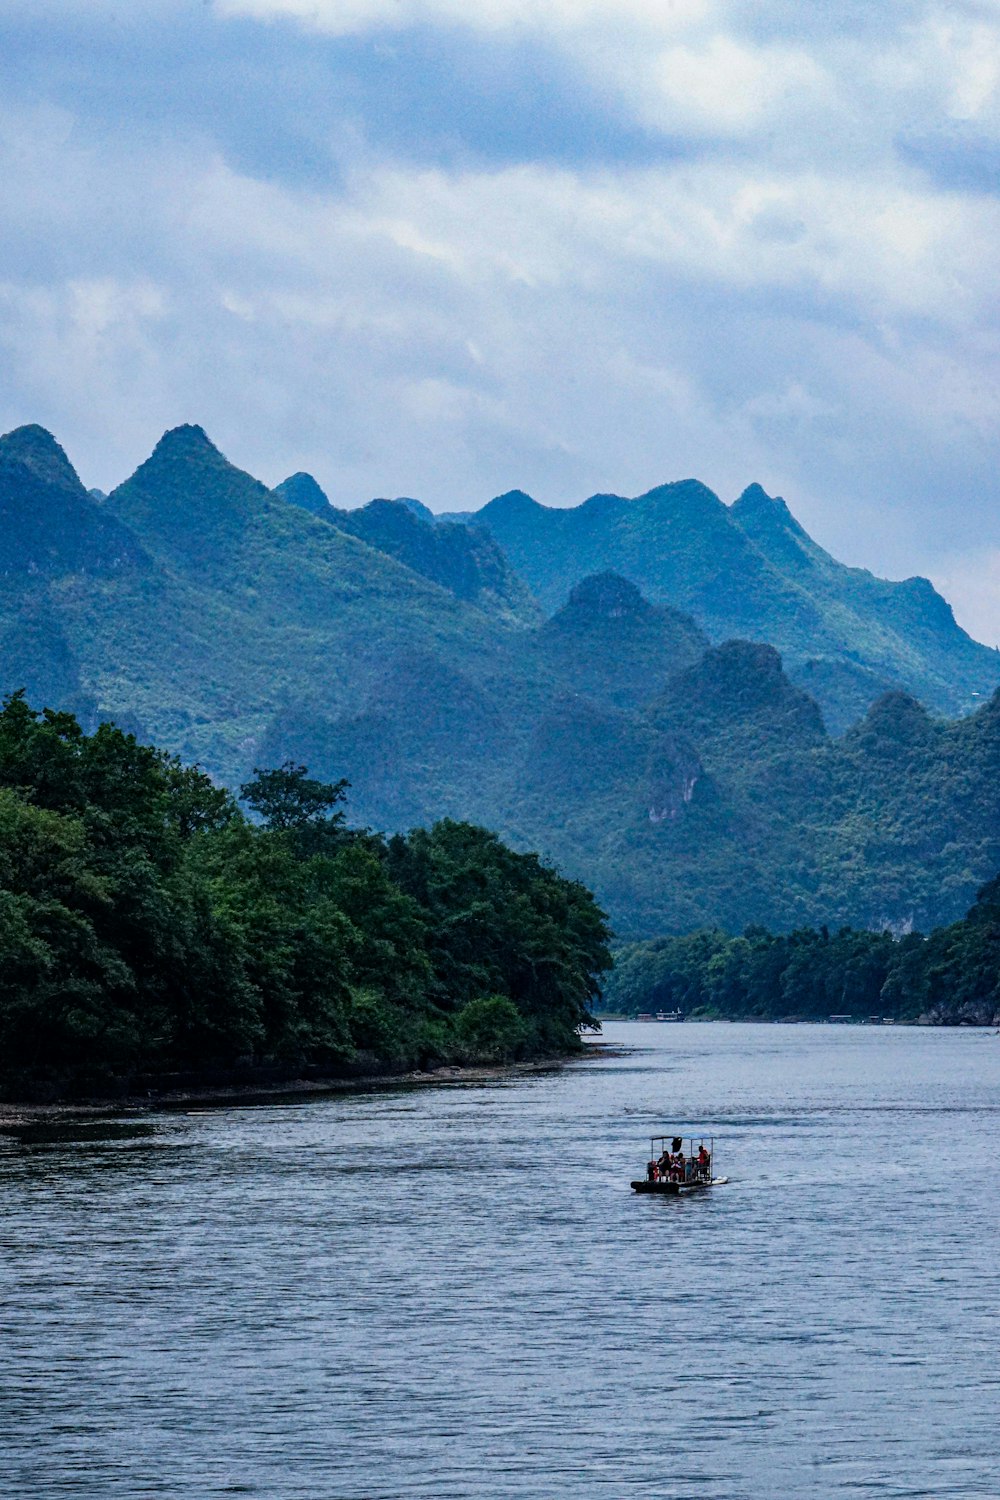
{"type": "Point", "coordinates": [452, 1294]}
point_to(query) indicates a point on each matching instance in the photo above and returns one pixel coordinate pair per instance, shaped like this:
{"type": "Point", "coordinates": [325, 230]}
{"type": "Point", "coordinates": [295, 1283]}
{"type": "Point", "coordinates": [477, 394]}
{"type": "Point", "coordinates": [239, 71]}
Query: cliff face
{"type": "Point", "coordinates": [673, 779]}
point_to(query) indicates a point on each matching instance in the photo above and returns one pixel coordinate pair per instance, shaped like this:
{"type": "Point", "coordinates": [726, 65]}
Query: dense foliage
{"type": "Point", "coordinates": [951, 977]}
{"type": "Point", "coordinates": [148, 925]}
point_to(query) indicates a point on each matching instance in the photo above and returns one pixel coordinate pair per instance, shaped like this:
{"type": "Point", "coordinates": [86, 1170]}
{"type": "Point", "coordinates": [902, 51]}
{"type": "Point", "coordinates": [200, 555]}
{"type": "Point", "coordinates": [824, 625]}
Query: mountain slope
{"type": "Point", "coordinates": [302, 490]}
{"type": "Point", "coordinates": [48, 523]}
{"type": "Point", "coordinates": [677, 543]}
{"type": "Point", "coordinates": [613, 645]}
{"type": "Point", "coordinates": [903, 632]}
{"type": "Point", "coordinates": [206, 601]}
{"type": "Point", "coordinates": [467, 563]}
{"type": "Point", "coordinates": [751, 571]}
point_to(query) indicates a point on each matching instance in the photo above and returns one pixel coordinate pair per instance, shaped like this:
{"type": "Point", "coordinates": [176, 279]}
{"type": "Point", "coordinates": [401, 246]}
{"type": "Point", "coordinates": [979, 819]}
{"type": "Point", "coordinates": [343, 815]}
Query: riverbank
{"type": "Point", "coordinates": [14, 1115]}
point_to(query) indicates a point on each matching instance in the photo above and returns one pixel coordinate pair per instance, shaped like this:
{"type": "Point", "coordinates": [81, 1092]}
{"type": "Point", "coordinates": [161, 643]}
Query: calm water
{"type": "Point", "coordinates": [452, 1293]}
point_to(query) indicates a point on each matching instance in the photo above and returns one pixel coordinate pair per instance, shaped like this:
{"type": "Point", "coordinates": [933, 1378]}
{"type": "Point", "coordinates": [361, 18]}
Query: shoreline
{"type": "Point", "coordinates": [14, 1115]}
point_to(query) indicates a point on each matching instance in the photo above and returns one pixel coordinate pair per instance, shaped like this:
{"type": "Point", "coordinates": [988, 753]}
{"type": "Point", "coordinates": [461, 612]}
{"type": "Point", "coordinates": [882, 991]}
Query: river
{"type": "Point", "coordinates": [451, 1292]}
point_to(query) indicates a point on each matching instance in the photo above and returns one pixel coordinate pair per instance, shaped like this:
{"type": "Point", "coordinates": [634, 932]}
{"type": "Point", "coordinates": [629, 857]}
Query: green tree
{"type": "Point", "coordinates": [287, 797]}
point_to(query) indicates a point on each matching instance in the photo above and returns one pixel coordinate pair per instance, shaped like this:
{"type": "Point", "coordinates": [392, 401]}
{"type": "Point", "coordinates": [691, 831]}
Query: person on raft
{"type": "Point", "coordinates": [704, 1162]}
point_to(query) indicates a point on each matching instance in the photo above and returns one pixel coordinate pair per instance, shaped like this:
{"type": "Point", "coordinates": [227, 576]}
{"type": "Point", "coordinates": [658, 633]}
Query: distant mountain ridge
{"type": "Point", "coordinates": [465, 561]}
{"type": "Point", "coordinates": [750, 570]}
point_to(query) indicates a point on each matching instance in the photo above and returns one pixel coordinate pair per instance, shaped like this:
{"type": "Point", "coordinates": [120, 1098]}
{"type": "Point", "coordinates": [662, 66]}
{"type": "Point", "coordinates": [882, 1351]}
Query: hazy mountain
{"type": "Point", "coordinates": [194, 602]}
{"type": "Point", "coordinates": [418, 508]}
{"type": "Point", "coordinates": [751, 571]}
{"type": "Point", "coordinates": [739, 694]}
{"type": "Point", "coordinates": [722, 800]}
{"type": "Point", "coordinates": [467, 563]}
{"type": "Point", "coordinates": [613, 645]}
{"type": "Point", "coordinates": [845, 690]}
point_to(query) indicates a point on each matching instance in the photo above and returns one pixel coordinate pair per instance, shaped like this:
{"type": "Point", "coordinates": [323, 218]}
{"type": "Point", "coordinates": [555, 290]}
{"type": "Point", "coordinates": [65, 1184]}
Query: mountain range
{"type": "Point", "coordinates": [750, 571]}
{"type": "Point", "coordinates": [689, 706]}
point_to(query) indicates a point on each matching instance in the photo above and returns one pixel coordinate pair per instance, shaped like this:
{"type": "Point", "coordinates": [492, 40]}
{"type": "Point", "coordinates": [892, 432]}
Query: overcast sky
{"type": "Point", "coordinates": [446, 248]}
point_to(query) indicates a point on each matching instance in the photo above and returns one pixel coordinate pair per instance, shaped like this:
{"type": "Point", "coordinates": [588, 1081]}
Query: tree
{"type": "Point", "coordinates": [288, 798]}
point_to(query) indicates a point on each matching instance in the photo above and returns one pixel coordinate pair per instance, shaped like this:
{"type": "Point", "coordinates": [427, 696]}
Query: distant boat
{"type": "Point", "coordinates": [672, 1170]}
{"type": "Point", "coordinates": [661, 1015]}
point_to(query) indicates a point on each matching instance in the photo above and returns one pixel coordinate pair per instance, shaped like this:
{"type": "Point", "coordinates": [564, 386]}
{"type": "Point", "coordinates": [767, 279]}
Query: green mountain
{"type": "Point", "coordinates": [687, 782]}
{"type": "Point", "coordinates": [750, 570]}
{"type": "Point", "coordinates": [466, 562]}
{"type": "Point", "coordinates": [193, 602]}
{"type": "Point", "coordinates": [49, 525]}
{"type": "Point", "coordinates": [302, 490]}
{"type": "Point", "coordinates": [723, 800]}
{"type": "Point", "coordinates": [610, 643]}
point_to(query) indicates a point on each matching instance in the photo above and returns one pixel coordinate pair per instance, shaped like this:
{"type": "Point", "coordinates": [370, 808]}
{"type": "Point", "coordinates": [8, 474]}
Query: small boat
{"type": "Point", "coordinates": [672, 1170]}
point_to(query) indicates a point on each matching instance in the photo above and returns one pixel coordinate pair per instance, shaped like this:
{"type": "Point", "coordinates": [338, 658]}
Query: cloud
{"type": "Point", "coordinates": [723, 86]}
{"type": "Point", "coordinates": [428, 248]}
{"type": "Point", "coordinates": [343, 17]}
{"type": "Point", "coordinates": [972, 581]}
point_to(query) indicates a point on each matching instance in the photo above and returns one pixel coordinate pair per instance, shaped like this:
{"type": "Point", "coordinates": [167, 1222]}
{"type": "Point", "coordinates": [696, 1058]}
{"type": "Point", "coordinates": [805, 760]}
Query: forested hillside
{"type": "Point", "coordinates": [750, 570]}
{"type": "Point", "coordinates": [464, 560]}
{"type": "Point", "coordinates": [147, 926]}
{"type": "Point", "coordinates": [951, 978]}
{"type": "Point", "coordinates": [193, 603]}
{"type": "Point", "coordinates": [687, 782]}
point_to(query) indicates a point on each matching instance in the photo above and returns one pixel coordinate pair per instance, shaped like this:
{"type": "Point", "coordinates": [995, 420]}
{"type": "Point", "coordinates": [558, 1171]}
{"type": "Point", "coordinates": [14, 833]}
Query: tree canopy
{"type": "Point", "coordinates": [147, 925]}
{"type": "Point", "coordinates": [950, 977]}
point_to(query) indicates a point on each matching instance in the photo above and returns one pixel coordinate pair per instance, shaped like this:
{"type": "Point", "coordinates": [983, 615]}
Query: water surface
{"type": "Point", "coordinates": [451, 1292]}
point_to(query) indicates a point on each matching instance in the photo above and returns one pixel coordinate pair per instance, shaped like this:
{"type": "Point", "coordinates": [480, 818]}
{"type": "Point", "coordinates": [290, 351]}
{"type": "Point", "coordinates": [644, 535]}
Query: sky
{"type": "Point", "coordinates": [446, 249]}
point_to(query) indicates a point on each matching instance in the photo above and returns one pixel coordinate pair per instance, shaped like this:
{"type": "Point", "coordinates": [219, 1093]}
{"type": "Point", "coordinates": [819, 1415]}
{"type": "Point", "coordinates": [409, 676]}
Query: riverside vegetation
{"type": "Point", "coordinates": [148, 925]}
{"type": "Point", "coordinates": [951, 977]}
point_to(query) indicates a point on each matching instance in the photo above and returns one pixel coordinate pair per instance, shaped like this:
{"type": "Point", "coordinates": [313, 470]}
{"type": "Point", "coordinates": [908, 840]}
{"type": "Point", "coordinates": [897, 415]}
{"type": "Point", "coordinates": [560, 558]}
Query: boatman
{"type": "Point", "coordinates": [704, 1161]}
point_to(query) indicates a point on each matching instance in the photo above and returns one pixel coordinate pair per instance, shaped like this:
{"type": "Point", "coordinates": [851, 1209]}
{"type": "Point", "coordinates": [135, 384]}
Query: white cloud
{"type": "Point", "coordinates": [971, 581]}
{"type": "Point", "coordinates": [800, 83]}
{"type": "Point", "coordinates": [344, 17]}
{"type": "Point", "coordinates": [595, 304]}
{"type": "Point", "coordinates": [880, 248]}
{"type": "Point", "coordinates": [718, 86]}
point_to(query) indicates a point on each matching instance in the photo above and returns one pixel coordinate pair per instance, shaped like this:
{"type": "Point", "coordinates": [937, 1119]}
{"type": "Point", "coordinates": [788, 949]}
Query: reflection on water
{"type": "Point", "coordinates": [77, 1132]}
{"type": "Point", "coordinates": [452, 1293]}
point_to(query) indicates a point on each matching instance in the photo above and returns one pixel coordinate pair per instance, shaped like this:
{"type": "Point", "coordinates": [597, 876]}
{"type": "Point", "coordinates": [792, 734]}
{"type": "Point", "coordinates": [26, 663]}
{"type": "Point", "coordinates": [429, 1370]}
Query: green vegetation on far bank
{"type": "Point", "coordinates": [148, 926]}
{"type": "Point", "coordinates": [951, 977]}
